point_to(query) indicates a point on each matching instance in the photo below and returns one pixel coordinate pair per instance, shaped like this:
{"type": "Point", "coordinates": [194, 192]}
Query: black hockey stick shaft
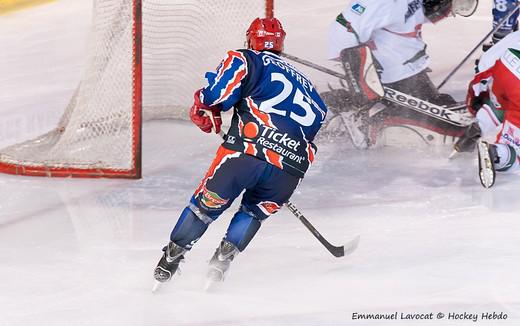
{"type": "Point", "coordinates": [334, 250]}
{"type": "Point", "coordinates": [457, 67]}
{"type": "Point", "coordinates": [313, 65]}
{"type": "Point", "coordinates": [441, 113]}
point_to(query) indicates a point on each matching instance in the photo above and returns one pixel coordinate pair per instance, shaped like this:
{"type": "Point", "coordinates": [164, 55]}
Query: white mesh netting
{"type": "Point", "coordinates": [181, 40]}
{"type": "Point", "coordinates": [177, 54]}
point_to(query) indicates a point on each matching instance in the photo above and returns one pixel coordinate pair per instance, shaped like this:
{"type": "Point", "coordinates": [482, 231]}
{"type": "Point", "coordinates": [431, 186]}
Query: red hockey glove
{"type": "Point", "coordinates": [205, 117]}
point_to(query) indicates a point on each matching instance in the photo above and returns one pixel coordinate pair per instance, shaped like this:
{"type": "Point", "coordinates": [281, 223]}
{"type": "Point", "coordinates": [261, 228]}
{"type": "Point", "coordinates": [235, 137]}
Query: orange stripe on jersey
{"type": "Point", "coordinates": [273, 158]}
{"type": "Point", "coordinates": [227, 62]}
{"type": "Point", "coordinates": [231, 87]}
{"type": "Point", "coordinates": [259, 115]}
{"type": "Point", "coordinates": [250, 149]}
{"type": "Point", "coordinates": [223, 154]}
{"type": "Point", "coordinates": [310, 153]}
{"type": "Point", "coordinates": [413, 34]}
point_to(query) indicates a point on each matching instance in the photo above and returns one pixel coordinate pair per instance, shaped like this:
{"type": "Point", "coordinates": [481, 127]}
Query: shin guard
{"type": "Point", "coordinates": [190, 227]}
{"type": "Point", "coordinates": [242, 229]}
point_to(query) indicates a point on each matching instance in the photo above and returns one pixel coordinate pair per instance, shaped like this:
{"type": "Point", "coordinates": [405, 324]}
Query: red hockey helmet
{"type": "Point", "coordinates": [265, 34]}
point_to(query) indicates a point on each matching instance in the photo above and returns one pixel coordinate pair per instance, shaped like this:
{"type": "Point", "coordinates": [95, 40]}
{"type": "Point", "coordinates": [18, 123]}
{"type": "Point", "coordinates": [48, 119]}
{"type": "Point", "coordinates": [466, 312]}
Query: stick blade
{"type": "Point", "coordinates": [347, 249]}
{"type": "Point", "coordinates": [352, 245]}
{"type": "Point", "coordinates": [337, 251]}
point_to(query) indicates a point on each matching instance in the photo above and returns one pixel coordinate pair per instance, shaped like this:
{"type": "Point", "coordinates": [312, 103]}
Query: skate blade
{"type": "Point", "coordinates": [156, 286]}
{"type": "Point", "coordinates": [214, 280]}
{"type": "Point", "coordinates": [212, 285]}
{"type": "Point", "coordinates": [486, 169]}
{"type": "Point", "coordinates": [453, 154]}
{"type": "Point", "coordinates": [209, 285]}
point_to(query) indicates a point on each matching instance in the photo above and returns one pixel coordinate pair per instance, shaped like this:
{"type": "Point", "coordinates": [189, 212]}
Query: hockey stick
{"type": "Point", "coordinates": [445, 114]}
{"type": "Point", "coordinates": [336, 251]}
{"type": "Point", "coordinates": [457, 67]}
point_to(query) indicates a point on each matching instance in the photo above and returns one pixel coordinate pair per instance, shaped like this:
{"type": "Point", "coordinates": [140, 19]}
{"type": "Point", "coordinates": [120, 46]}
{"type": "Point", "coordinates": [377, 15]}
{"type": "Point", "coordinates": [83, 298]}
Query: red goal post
{"type": "Point", "coordinates": [145, 60]}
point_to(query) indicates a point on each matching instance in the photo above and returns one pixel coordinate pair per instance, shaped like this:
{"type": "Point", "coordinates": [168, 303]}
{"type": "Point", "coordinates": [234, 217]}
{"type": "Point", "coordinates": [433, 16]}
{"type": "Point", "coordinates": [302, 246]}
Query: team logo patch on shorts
{"type": "Point", "coordinates": [212, 200]}
{"type": "Point", "coordinates": [358, 8]}
{"type": "Point", "coordinates": [269, 207]}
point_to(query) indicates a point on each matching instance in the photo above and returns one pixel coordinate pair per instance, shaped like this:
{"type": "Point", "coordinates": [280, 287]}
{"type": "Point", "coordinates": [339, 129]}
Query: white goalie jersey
{"type": "Point", "coordinates": [391, 28]}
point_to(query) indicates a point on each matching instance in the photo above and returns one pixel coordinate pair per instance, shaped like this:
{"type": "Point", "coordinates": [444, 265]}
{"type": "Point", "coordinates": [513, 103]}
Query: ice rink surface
{"type": "Point", "coordinates": [82, 252]}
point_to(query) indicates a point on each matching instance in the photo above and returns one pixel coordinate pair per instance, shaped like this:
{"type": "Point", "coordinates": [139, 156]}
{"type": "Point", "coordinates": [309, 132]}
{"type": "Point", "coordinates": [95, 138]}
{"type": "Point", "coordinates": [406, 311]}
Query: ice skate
{"type": "Point", "coordinates": [219, 263]}
{"type": "Point", "coordinates": [168, 265]}
{"type": "Point", "coordinates": [357, 127]}
{"type": "Point", "coordinates": [487, 157]}
{"type": "Point", "coordinates": [467, 142]}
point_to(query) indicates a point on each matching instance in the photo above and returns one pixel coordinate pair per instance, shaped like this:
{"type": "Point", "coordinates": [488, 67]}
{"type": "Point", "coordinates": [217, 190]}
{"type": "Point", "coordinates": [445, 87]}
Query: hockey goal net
{"type": "Point", "coordinates": [145, 60]}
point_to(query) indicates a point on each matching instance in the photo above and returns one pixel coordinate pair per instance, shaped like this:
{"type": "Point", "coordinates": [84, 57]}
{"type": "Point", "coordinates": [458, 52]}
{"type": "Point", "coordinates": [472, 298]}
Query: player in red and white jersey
{"type": "Point", "coordinates": [494, 98]}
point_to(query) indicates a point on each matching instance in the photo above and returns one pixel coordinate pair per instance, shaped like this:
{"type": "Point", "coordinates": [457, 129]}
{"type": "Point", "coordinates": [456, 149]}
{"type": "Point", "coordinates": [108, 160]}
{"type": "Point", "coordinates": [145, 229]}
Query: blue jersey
{"type": "Point", "coordinates": [277, 110]}
{"type": "Point", "coordinates": [502, 8]}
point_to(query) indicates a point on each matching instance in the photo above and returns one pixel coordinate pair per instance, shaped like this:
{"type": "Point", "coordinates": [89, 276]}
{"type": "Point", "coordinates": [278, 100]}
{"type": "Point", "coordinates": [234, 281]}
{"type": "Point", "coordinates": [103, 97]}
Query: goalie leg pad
{"type": "Point", "coordinates": [421, 87]}
{"type": "Point", "coordinates": [362, 78]}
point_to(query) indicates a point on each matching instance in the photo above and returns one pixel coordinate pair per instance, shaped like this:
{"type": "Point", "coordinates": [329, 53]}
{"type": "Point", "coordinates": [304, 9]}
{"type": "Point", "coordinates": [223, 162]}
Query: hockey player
{"type": "Point", "coordinates": [494, 97]}
{"type": "Point", "coordinates": [391, 31]}
{"type": "Point", "coordinates": [267, 150]}
{"type": "Point", "coordinates": [502, 8]}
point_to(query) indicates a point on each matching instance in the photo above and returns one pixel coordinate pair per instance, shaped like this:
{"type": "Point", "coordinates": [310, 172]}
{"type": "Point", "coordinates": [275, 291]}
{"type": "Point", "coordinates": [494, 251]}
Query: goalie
{"type": "Point", "coordinates": [391, 31]}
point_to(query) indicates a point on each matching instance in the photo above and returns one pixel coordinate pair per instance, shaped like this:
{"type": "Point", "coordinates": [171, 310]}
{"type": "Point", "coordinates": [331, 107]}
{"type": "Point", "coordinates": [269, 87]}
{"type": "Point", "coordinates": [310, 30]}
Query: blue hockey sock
{"type": "Point", "coordinates": [242, 229]}
{"type": "Point", "coordinates": [190, 227]}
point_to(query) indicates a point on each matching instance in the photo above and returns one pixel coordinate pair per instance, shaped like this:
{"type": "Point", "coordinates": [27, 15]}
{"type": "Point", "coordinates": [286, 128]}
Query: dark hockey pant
{"type": "Point", "coordinates": [266, 187]}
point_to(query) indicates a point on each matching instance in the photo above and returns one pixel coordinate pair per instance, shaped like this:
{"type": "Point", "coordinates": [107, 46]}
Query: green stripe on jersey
{"type": "Point", "coordinates": [515, 52]}
{"type": "Point", "coordinates": [343, 22]}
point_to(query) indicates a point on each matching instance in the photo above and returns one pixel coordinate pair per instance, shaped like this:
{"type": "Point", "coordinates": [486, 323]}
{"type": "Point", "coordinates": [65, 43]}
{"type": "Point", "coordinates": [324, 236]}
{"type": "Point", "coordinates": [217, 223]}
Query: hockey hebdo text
{"type": "Point", "coordinates": [449, 316]}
